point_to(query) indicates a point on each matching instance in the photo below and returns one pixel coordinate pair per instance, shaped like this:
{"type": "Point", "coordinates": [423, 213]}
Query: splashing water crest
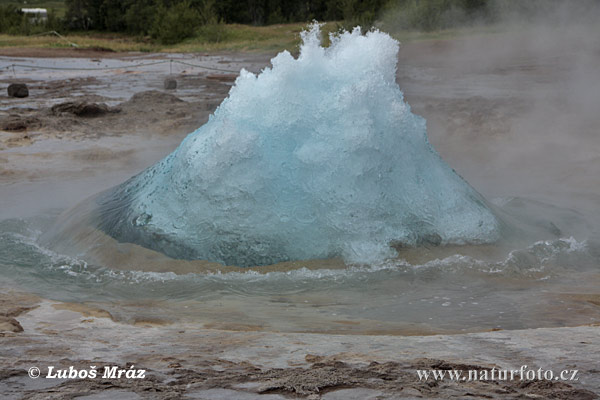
{"type": "Point", "coordinates": [316, 157]}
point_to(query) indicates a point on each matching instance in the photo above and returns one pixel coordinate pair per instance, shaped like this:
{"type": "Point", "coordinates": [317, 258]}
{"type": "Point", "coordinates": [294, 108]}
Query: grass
{"type": "Point", "coordinates": [220, 38]}
{"type": "Point", "coordinates": [237, 37]}
{"type": "Point", "coordinates": [231, 37]}
{"type": "Point", "coordinates": [92, 40]}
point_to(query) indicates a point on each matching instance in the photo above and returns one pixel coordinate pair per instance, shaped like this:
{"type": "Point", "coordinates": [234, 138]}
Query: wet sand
{"type": "Point", "coordinates": [489, 102]}
{"type": "Point", "coordinates": [186, 361]}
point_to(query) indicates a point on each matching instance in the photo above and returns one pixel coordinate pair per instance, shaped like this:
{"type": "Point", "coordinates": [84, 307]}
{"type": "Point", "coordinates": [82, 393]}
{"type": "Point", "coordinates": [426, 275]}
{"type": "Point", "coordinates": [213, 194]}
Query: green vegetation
{"type": "Point", "coordinates": [272, 38]}
{"type": "Point", "coordinates": [237, 37]}
{"type": "Point", "coordinates": [57, 6]}
{"type": "Point", "coordinates": [13, 21]}
{"type": "Point", "coordinates": [260, 24]}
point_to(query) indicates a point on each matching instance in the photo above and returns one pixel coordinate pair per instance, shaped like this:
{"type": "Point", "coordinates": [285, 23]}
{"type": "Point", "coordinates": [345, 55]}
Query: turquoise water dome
{"type": "Point", "coordinates": [316, 157]}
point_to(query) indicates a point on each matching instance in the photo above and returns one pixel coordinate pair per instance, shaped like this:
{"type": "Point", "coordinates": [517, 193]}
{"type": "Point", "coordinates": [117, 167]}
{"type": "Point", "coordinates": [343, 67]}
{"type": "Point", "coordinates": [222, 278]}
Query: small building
{"type": "Point", "coordinates": [35, 14]}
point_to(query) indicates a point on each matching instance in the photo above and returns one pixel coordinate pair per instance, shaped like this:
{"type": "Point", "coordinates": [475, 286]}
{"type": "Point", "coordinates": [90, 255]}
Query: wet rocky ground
{"type": "Point", "coordinates": [185, 361]}
{"type": "Point", "coordinates": [95, 128]}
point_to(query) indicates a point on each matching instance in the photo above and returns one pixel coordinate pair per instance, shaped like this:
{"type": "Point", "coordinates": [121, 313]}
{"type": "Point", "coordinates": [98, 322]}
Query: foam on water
{"type": "Point", "coordinates": [21, 249]}
{"type": "Point", "coordinates": [452, 292]}
{"type": "Point", "coordinates": [316, 157]}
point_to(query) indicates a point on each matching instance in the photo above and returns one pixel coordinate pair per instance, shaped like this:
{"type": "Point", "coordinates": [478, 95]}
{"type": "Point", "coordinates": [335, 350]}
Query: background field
{"type": "Point", "coordinates": [267, 25]}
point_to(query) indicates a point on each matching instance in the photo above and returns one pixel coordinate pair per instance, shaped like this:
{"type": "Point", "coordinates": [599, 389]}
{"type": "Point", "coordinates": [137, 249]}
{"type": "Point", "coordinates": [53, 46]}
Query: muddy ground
{"type": "Point", "coordinates": [515, 114]}
{"type": "Point", "coordinates": [184, 361]}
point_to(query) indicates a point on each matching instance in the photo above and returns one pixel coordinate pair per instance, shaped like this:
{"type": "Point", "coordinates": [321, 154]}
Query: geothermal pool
{"type": "Point", "coordinates": [548, 283]}
{"type": "Point", "coordinates": [312, 201]}
{"type": "Point", "coordinates": [316, 158]}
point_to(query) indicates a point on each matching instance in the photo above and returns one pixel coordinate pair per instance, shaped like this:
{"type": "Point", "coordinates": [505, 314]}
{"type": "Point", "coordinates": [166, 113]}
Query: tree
{"type": "Point", "coordinates": [172, 25]}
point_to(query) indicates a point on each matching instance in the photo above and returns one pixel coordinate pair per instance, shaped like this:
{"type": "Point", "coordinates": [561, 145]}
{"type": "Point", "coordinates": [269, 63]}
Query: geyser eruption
{"type": "Point", "coordinates": [316, 157]}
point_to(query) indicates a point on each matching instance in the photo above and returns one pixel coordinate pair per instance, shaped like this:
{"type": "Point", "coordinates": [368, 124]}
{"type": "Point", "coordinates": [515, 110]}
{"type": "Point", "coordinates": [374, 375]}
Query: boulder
{"type": "Point", "coordinates": [8, 324]}
{"type": "Point", "coordinates": [18, 90]}
{"type": "Point", "coordinates": [150, 97]}
{"type": "Point", "coordinates": [16, 123]}
{"type": "Point", "coordinates": [170, 84]}
{"type": "Point", "coordinates": [82, 109]}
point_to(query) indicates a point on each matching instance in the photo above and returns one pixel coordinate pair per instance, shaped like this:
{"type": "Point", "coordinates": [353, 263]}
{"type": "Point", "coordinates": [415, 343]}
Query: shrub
{"type": "Point", "coordinates": [172, 25]}
{"type": "Point", "coordinates": [213, 33]}
{"type": "Point", "coordinates": [14, 22]}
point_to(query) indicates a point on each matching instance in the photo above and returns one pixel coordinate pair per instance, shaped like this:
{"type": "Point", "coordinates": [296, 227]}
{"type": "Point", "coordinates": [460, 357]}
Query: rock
{"type": "Point", "coordinates": [17, 123]}
{"type": "Point", "coordinates": [18, 90]}
{"type": "Point", "coordinates": [170, 84]}
{"type": "Point", "coordinates": [150, 98]}
{"type": "Point", "coordinates": [8, 324]}
{"type": "Point", "coordinates": [222, 77]}
{"type": "Point", "coordinates": [82, 109]}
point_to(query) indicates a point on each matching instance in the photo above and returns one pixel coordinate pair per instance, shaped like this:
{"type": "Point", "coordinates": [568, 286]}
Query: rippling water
{"type": "Point", "coordinates": [549, 282]}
